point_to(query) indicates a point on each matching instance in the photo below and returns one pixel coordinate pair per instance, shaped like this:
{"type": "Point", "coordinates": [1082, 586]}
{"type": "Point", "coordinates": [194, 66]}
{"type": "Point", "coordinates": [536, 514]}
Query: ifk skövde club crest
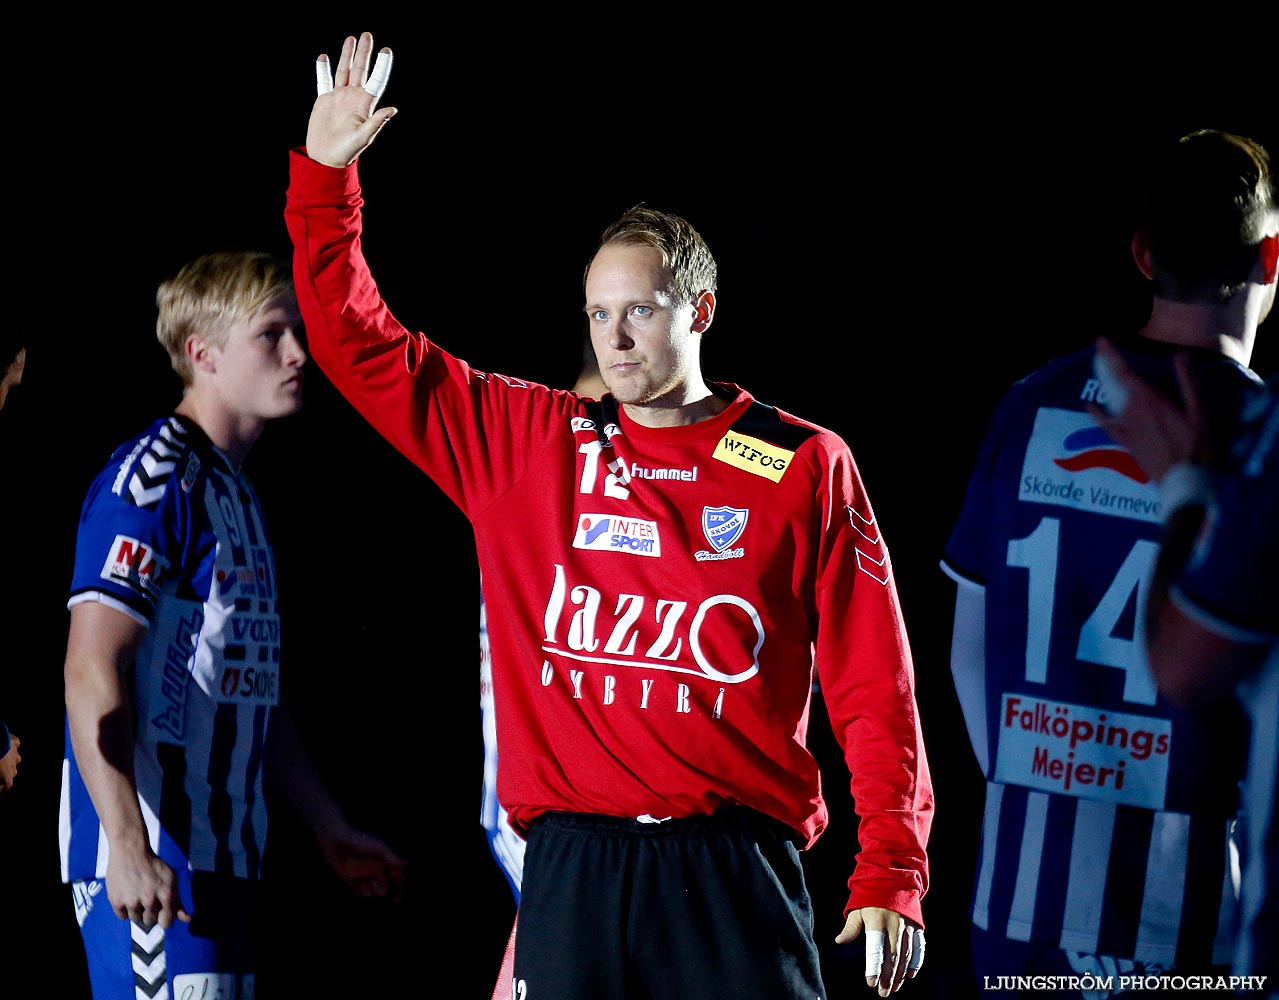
{"type": "Point", "coordinates": [722, 526]}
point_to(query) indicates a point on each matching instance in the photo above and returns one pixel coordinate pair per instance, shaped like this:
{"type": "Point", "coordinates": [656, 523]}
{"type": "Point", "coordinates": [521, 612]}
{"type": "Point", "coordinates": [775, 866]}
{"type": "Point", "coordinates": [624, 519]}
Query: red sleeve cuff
{"type": "Point", "coordinates": [905, 901]}
{"type": "Point", "coordinates": [320, 181]}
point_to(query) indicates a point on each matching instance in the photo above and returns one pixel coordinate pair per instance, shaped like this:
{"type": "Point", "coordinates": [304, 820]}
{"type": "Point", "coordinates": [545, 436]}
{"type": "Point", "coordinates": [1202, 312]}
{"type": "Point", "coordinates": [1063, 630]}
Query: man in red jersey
{"type": "Point", "coordinates": [696, 555]}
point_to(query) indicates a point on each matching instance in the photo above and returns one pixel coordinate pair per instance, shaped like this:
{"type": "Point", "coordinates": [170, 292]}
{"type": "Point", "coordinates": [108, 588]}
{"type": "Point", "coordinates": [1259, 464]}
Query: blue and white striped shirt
{"type": "Point", "coordinates": [1108, 811]}
{"type": "Point", "coordinates": [173, 536]}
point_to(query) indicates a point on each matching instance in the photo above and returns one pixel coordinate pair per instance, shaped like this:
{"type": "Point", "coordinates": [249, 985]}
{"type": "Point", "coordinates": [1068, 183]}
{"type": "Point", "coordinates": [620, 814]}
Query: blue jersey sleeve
{"type": "Point", "coordinates": [125, 544]}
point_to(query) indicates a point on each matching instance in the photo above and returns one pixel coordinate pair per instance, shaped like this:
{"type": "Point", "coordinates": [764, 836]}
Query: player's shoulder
{"type": "Point", "coordinates": [782, 428]}
{"type": "Point", "coordinates": [756, 436]}
{"type": "Point", "coordinates": [168, 457]}
{"type": "Point", "coordinates": [1065, 382]}
{"type": "Point", "coordinates": [1255, 446]}
{"type": "Point", "coordinates": [1066, 376]}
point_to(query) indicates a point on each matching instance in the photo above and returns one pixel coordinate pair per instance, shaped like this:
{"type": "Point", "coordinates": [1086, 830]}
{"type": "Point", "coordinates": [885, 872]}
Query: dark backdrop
{"type": "Point", "coordinates": [896, 245]}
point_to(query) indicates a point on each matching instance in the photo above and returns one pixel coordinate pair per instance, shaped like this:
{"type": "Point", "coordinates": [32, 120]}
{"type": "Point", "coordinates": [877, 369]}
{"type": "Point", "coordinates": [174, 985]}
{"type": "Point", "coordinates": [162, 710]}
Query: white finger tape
{"type": "Point", "coordinates": [323, 77]}
{"type": "Point", "coordinates": [874, 952]}
{"type": "Point", "coordinates": [916, 951]}
{"type": "Point", "coordinates": [381, 73]}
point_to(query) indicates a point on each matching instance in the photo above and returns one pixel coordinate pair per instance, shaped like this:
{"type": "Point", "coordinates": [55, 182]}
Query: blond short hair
{"type": "Point", "coordinates": [684, 252]}
{"type": "Point", "coordinates": [212, 293]}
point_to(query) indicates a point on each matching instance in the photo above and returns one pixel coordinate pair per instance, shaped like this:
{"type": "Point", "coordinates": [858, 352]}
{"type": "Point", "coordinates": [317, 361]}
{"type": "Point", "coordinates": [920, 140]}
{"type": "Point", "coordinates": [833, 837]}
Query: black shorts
{"type": "Point", "coordinates": [708, 906]}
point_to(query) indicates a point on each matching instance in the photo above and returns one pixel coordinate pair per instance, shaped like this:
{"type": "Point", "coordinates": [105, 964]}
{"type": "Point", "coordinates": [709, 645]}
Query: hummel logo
{"type": "Point", "coordinates": [863, 559]}
{"type": "Point", "coordinates": [871, 534]}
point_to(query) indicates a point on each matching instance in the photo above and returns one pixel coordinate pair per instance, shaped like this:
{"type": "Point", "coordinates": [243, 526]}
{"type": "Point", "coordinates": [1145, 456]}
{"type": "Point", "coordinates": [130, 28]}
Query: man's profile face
{"type": "Point", "coordinates": [642, 336]}
{"type": "Point", "coordinates": [12, 375]}
{"type": "Point", "coordinates": [258, 370]}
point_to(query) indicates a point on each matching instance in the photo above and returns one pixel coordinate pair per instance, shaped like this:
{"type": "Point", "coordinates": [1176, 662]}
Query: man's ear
{"type": "Point", "coordinates": [703, 311]}
{"type": "Point", "coordinates": [200, 353]}
{"type": "Point", "coordinates": [1141, 254]}
{"type": "Point", "coordinates": [1269, 255]}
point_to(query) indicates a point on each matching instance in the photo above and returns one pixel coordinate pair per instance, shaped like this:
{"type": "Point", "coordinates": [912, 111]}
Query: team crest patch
{"type": "Point", "coordinates": [722, 526]}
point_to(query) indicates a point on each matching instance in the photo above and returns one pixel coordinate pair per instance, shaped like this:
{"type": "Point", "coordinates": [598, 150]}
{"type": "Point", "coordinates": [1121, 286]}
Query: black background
{"type": "Point", "coordinates": [903, 227]}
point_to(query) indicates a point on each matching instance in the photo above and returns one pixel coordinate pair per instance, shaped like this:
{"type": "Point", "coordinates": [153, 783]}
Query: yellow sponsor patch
{"type": "Point", "coordinates": [753, 455]}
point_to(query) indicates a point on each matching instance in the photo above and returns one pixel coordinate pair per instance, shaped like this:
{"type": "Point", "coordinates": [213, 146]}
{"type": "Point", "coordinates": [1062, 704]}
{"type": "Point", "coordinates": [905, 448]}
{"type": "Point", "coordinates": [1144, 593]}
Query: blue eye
{"type": "Point", "coordinates": [643, 310]}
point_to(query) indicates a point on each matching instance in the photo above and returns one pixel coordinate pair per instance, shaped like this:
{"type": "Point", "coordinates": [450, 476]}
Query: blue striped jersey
{"type": "Point", "coordinates": [1108, 811]}
{"type": "Point", "coordinates": [172, 536]}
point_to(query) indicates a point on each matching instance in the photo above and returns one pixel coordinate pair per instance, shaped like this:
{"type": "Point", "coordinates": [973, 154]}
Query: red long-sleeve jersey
{"type": "Point", "coordinates": [664, 593]}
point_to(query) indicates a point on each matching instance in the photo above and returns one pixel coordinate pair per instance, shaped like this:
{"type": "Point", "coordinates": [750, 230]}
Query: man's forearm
{"type": "Point", "coordinates": [292, 771]}
{"type": "Point", "coordinates": [1191, 664]}
{"type": "Point", "coordinates": [1174, 551]}
{"type": "Point", "coordinates": [100, 721]}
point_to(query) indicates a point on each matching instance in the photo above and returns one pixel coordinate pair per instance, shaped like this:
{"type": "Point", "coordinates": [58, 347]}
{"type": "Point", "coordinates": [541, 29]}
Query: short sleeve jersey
{"type": "Point", "coordinates": [173, 536]}
{"type": "Point", "coordinates": [1107, 809]}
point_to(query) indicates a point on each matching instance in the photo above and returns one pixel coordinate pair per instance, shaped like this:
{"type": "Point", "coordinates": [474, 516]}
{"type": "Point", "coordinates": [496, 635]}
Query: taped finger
{"type": "Point", "coordinates": [874, 953]}
{"type": "Point", "coordinates": [916, 951]}
{"type": "Point", "coordinates": [381, 73]}
{"type": "Point", "coordinates": [323, 77]}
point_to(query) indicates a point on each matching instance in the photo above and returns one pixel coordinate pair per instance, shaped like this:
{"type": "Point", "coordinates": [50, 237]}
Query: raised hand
{"type": "Point", "coordinates": [1157, 431]}
{"type": "Point", "coordinates": [345, 118]}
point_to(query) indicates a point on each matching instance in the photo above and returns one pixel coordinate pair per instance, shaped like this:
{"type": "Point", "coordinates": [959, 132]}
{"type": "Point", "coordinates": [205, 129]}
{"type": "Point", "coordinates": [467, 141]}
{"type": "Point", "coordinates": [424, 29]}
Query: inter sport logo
{"type": "Point", "coordinates": [603, 532]}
